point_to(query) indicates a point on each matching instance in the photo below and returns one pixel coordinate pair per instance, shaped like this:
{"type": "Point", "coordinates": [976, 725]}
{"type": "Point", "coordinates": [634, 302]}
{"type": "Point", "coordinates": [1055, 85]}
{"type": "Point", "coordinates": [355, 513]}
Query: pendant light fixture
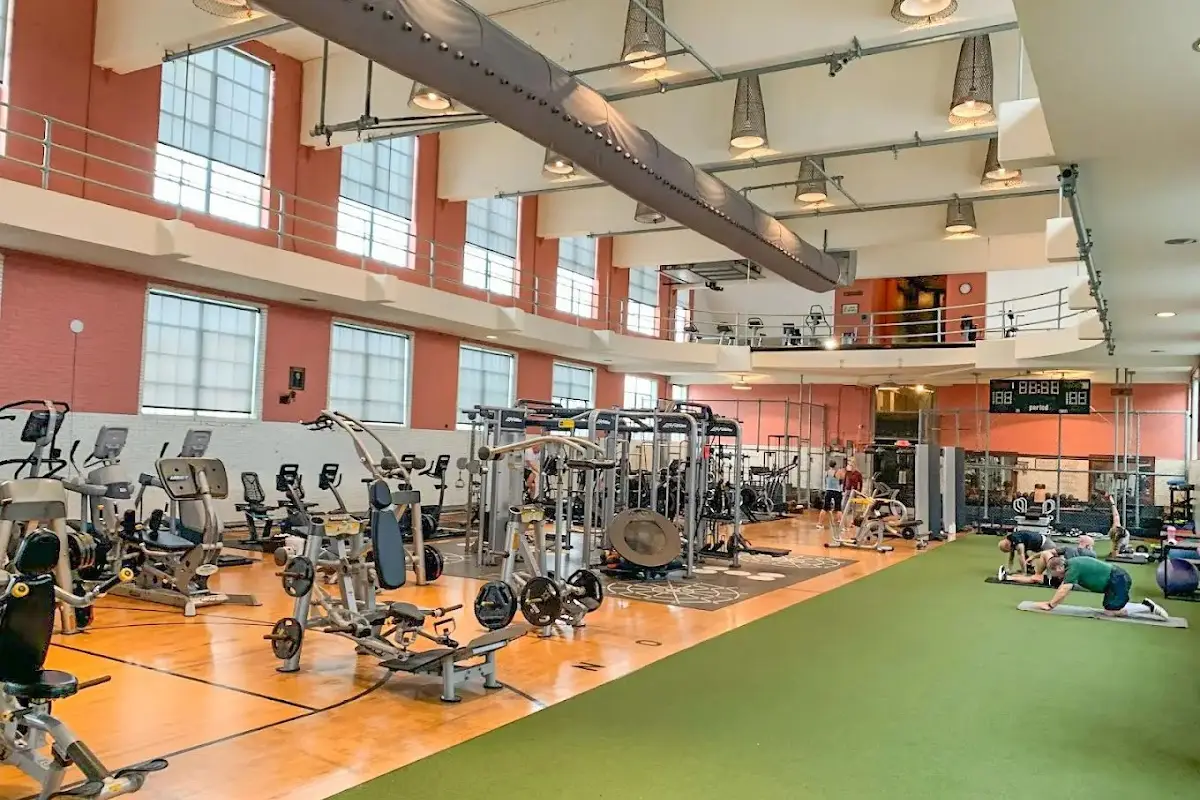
{"type": "Point", "coordinates": [923, 12]}
{"type": "Point", "coordinates": [960, 216]}
{"type": "Point", "coordinates": [810, 183]}
{"type": "Point", "coordinates": [645, 40]}
{"type": "Point", "coordinates": [556, 165]}
{"type": "Point", "coordinates": [888, 385]}
{"type": "Point", "coordinates": [749, 130]}
{"type": "Point", "coordinates": [228, 9]}
{"type": "Point", "coordinates": [972, 103]}
{"type": "Point", "coordinates": [426, 98]}
{"type": "Point", "coordinates": [995, 176]}
{"type": "Point", "coordinates": [740, 385]}
{"type": "Point", "coordinates": [647, 215]}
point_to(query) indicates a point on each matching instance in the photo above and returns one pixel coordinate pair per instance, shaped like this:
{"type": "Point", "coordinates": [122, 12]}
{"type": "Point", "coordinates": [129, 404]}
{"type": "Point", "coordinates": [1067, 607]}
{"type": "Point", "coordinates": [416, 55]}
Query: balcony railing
{"type": "Point", "coordinates": [62, 156]}
{"type": "Point", "coordinates": [65, 157]}
{"type": "Point", "coordinates": [820, 328]}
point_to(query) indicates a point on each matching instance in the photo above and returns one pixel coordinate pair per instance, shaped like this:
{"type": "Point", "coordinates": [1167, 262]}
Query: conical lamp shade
{"type": "Point", "coordinates": [645, 40]}
{"type": "Point", "coordinates": [972, 102]}
{"type": "Point", "coordinates": [994, 173]}
{"type": "Point", "coordinates": [646, 215]}
{"type": "Point", "coordinates": [558, 166]}
{"type": "Point", "coordinates": [923, 12]}
{"type": "Point", "coordinates": [429, 100]}
{"type": "Point", "coordinates": [749, 130]}
{"type": "Point", "coordinates": [960, 216]}
{"type": "Point", "coordinates": [811, 186]}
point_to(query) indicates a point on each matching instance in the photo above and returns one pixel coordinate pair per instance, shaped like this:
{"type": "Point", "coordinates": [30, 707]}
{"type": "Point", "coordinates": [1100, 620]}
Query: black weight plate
{"type": "Point", "coordinates": [298, 577]}
{"type": "Point", "coordinates": [495, 605]}
{"type": "Point", "coordinates": [540, 602]}
{"type": "Point", "coordinates": [286, 637]}
{"type": "Point", "coordinates": [434, 563]}
{"type": "Point", "coordinates": [1141, 548]}
{"type": "Point", "coordinates": [908, 533]}
{"type": "Point", "coordinates": [586, 581]}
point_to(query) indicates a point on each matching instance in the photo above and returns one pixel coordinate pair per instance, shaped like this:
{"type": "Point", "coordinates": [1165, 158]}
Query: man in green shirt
{"type": "Point", "coordinates": [1099, 576]}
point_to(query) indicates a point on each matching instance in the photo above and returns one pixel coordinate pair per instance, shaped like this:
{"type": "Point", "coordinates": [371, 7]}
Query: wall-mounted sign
{"type": "Point", "coordinates": [849, 308]}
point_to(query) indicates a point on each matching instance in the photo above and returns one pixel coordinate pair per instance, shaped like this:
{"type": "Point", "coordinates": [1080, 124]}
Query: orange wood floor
{"type": "Point", "coordinates": [205, 694]}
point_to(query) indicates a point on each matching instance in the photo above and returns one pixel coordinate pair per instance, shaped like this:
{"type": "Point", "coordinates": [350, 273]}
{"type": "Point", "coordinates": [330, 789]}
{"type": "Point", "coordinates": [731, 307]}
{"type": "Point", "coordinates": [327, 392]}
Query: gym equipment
{"type": "Point", "coordinates": [495, 605]}
{"type": "Point", "coordinates": [644, 538]}
{"type": "Point", "coordinates": [336, 552]}
{"type": "Point", "coordinates": [1178, 579]}
{"type": "Point", "coordinates": [259, 518]}
{"type": "Point", "coordinates": [868, 531]}
{"type": "Point", "coordinates": [1095, 613]}
{"type": "Point", "coordinates": [175, 568]}
{"type": "Point", "coordinates": [41, 429]}
{"type": "Point", "coordinates": [1035, 517]}
{"type": "Point", "coordinates": [431, 515]}
{"type": "Point", "coordinates": [28, 599]}
{"type": "Point", "coordinates": [542, 595]}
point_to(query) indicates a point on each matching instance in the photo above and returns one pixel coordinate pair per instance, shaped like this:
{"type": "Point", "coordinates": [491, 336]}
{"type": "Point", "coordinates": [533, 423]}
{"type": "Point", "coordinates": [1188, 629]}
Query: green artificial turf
{"type": "Point", "coordinates": [920, 681]}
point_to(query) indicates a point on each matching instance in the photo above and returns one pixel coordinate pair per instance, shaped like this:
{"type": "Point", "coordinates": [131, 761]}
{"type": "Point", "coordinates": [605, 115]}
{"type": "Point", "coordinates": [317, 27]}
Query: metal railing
{"type": "Point", "coordinates": [62, 156]}
{"type": "Point", "coordinates": [819, 327]}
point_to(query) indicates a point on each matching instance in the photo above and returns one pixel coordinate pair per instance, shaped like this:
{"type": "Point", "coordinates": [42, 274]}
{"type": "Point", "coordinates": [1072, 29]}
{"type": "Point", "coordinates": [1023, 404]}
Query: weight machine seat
{"type": "Point", "coordinates": [164, 540]}
{"type": "Point", "coordinates": [27, 623]}
{"type": "Point", "coordinates": [47, 684]}
{"type": "Point", "coordinates": [406, 612]}
{"type": "Point", "coordinates": [430, 661]}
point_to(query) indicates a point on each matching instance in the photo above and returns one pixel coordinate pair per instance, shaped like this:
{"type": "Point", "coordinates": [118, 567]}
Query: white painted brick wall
{"type": "Point", "coordinates": [251, 446]}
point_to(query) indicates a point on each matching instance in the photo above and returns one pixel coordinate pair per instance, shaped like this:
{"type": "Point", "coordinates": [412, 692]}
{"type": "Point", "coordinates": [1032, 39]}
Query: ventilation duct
{"type": "Point", "coordinates": [847, 261]}
{"type": "Point", "coordinates": [471, 59]}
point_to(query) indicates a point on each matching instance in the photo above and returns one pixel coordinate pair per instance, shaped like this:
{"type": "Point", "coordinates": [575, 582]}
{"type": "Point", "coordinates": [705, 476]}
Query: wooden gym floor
{"type": "Point", "coordinates": [204, 692]}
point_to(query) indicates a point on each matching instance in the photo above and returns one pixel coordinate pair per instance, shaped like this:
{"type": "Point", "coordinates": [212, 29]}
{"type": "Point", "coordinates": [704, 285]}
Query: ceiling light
{"type": "Point", "coordinates": [1165, 314]}
{"type": "Point", "coordinates": [645, 40]}
{"type": "Point", "coordinates": [647, 215]}
{"type": "Point", "coordinates": [922, 12]}
{"type": "Point", "coordinates": [810, 183]}
{"type": "Point", "coordinates": [830, 344]}
{"type": "Point", "coordinates": [740, 385]}
{"type": "Point", "coordinates": [749, 129]}
{"type": "Point", "coordinates": [994, 173]}
{"type": "Point", "coordinates": [972, 102]}
{"type": "Point", "coordinates": [920, 388]}
{"type": "Point", "coordinates": [1181, 241]}
{"type": "Point", "coordinates": [558, 165]}
{"type": "Point", "coordinates": [960, 216]}
{"type": "Point", "coordinates": [426, 98]}
{"type": "Point", "coordinates": [888, 386]}
{"type": "Point", "coordinates": [492, 336]}
{"type": "Point", "coordinates": [308, 299]}
{"type": "Point", "coordinates": [229, 9]}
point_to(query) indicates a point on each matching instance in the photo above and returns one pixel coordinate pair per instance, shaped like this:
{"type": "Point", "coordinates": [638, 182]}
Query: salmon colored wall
{"type": "Point", "coordinates": [870, 296]}
{"type": "Point", "coordinates": [610, 389]}
{"type": "Point", "coordinates": [296, 337]}
{"type": "Point", "coordinates": [535, 375]}
{"type": "Point", "coordinates": [1162, 435]}
{"type": "Point", "coordinates": [847, 411]}
{"type": "Point", "coordinates": [973, 304]}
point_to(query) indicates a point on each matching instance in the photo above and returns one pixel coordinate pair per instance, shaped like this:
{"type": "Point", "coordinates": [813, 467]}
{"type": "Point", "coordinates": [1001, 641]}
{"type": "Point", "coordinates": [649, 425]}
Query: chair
{"type": "Point", "coordinates": [28, 604]}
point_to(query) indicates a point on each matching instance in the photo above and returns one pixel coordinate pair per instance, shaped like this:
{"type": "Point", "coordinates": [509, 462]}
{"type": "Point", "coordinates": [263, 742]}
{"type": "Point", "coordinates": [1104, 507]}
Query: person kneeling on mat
{"type": "Point", "coordinates": [1041, 562]}
{"type": "Point", "coordinates": [1099, 576]}
{"type": "Point", "coordinates": [1022, 544]}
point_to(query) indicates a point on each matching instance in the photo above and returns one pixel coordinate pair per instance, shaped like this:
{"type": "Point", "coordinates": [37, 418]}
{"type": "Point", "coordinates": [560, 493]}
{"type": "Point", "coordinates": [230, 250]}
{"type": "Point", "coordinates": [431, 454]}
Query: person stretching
{"type": "Point", "coordinates": [1099, 576]}
{"type": "Point", "coordinates": [1022, 544]}
{"type": "Point", "coordinates": [832, 504]}
{"type": "Point", "coordinates": [1041, 561]}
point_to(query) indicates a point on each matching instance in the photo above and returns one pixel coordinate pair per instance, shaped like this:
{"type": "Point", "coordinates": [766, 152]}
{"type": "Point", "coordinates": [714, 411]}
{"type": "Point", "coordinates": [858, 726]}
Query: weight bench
{"type": "Point", "coordinates": [448, 662]}
{"type": "Point", "coordinates": [1095, 613]}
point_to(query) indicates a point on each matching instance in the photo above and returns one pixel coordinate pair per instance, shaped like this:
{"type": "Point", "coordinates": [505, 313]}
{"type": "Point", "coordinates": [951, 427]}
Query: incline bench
{"type": "Point", "coordinates": [451, 662]}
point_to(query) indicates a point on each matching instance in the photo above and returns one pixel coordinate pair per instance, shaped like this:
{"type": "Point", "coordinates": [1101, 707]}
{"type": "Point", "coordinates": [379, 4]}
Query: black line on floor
{"type": "Point", "coordinates": [185, 677]}
{"type": "Point", "coordinates": [525, 695]}
{"type": "Point", "coordinates": [231, 624]}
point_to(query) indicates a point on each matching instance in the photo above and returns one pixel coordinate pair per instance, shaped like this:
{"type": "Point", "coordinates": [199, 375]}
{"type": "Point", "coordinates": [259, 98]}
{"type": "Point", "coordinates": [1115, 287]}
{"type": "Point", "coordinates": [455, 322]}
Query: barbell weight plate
{"type": "Point", "coordinates": [434, 563]}
{"type": "Point", "coordinates": [589, 584]}
{"type": "Point", "coordinates": [286, 637]}
{"type": "Point", "coordinates": [298, 577]}
{"type": "Point", "coordinates": [540, 602]}
{"type": "Point", "coordinates": [495, 605]}
{"type": "Point", "coordinates": [908, 533]}
{"type": "Point", "coordinates": [644, 537]}
{"type": "Point", "coordinates": [871, 534]}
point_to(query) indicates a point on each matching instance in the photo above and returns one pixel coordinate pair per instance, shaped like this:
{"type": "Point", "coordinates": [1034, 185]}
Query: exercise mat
{"type": "Point", "coordinates": [1095, 613]}
{"type": "Point", "coordinates": [994, 579]}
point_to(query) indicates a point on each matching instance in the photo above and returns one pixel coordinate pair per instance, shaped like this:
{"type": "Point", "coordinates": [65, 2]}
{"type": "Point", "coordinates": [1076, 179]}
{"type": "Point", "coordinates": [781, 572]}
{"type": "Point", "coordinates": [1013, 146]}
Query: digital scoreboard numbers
{"type": "Point", "coordinates": [1040, 397]}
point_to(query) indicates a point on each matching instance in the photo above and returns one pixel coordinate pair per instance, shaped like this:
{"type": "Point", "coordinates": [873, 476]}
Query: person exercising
{"type": "Point", "coordinates": [832, 503]}
{"type": "Point", "coordinates": [1022, 544]}
{"type": "Point", "coordinates": [1101, 577]}
{"type": "Point", "coordinates": [1085, 546]}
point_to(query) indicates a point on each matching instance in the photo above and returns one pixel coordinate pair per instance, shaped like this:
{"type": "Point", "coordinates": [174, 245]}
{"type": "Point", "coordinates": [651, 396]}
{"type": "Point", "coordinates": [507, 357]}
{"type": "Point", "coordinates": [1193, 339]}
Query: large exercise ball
{"type": "Point", "coordinates": [1177, 577]}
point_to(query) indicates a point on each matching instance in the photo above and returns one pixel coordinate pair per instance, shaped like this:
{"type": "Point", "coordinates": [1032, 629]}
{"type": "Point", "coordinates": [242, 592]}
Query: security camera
{"type": "Point", "coordinates": [713, 286]}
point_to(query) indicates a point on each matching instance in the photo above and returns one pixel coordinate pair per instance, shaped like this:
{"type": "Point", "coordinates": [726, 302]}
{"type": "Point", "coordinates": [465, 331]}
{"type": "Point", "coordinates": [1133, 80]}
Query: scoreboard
{"type": "Point", "coordinates": [1040, 397]}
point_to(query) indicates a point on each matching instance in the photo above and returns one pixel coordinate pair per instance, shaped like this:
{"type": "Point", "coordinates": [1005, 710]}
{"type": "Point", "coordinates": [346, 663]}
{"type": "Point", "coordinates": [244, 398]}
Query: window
{"type": "Point", "coordinates": [641, 393]}
{"type": "Point", "coordinates": [679, 392]}
{"type": "Point", "coordinates": [201, 357]}
{"type": "Point", "coordinates": [489, 258]}
{"type": "Point", "coordinates": [485, 378]}
{"type": "Point", "coordinates": [375, 206]}
{"type": "Point", "coordinates": [212, 134]}
{"type": "Point", "coordinates": [368, 374]}
{"type": "Point", "coordinates": [575, 286]}
{"type": "Point", "coordinates": [5, 7]}
{"type": "Point", "coordinates": [573, 386]}
{"type": "Point", "coordinates": [642, 316]}
{"type": "Point", "coordinates": [683, 314]}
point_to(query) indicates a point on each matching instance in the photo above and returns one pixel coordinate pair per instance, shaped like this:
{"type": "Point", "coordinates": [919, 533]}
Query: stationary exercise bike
{"type": "Point", "coordinates": [29, 597]}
